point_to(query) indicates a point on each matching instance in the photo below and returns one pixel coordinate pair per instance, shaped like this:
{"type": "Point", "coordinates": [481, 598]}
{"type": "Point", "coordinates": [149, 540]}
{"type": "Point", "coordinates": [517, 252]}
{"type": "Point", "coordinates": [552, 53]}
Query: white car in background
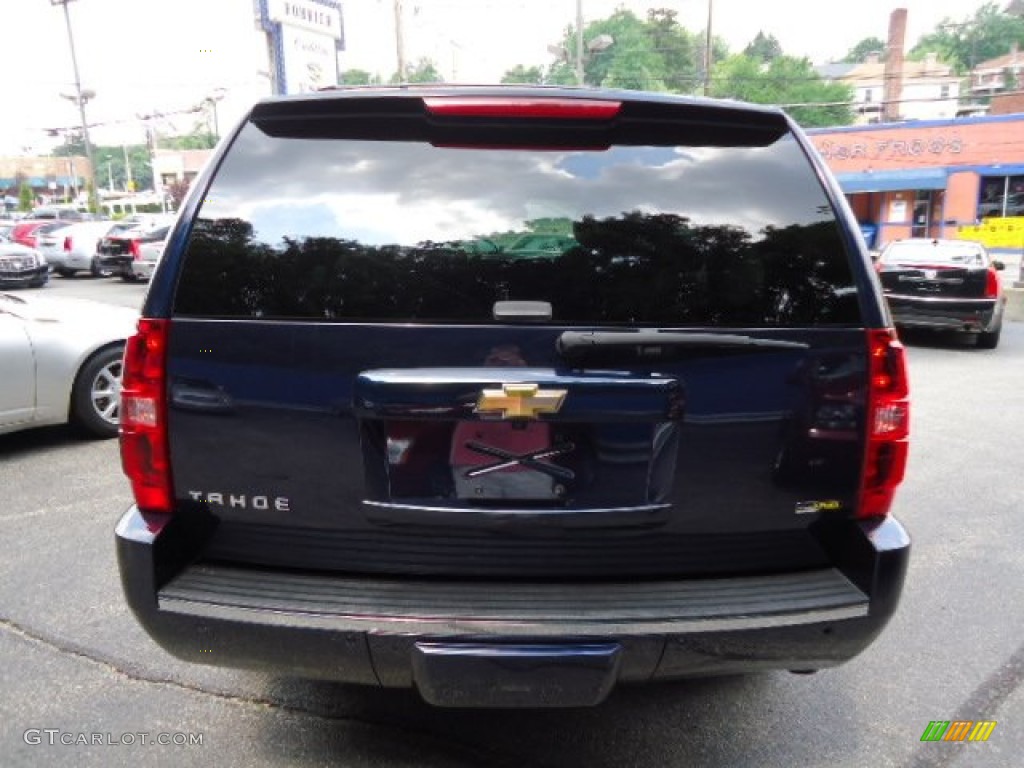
{"type": "Point", "coordinates": [72, 248]}
{"type": "Point", "coordinates": [61, 362]}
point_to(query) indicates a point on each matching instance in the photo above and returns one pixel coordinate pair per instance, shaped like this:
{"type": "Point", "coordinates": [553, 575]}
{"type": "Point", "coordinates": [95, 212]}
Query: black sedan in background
{"type": "Point", "coordinates": [21, 267]}
{"type": "Point", "coordinates": [944, 285]}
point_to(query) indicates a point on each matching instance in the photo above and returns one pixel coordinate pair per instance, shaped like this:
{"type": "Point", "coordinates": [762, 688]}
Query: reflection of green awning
{"type": "Point", "coordinates": [889, 181]}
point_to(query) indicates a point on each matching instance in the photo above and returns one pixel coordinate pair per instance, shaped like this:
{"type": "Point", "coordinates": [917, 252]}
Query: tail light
{"type": "Point", "coordinates": [145, 456]}
{"type": "Point", "coordinates": [67, 244]}
{"type": "Point", "coordinates": [134, 250]}
{"type": "Point", "coordinates": [888, 423]}
{"type": "Point", "coordinates": [992, 284]}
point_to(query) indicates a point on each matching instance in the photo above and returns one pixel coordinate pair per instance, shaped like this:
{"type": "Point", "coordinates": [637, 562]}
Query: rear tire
{"type": "Point", "coordinates": [990, 339]}
{"type": "Point", "coordinates": [96, 394]}
{"type": "Point", "coordinates": [96, 270]}
{"type": "Point", "coordinates": [63, 272]}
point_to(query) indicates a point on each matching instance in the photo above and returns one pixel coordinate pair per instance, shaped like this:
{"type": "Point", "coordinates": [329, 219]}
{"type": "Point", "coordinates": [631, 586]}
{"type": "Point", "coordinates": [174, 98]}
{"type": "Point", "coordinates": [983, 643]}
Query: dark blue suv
{"type": "Point", "coordinates": [373, 438]}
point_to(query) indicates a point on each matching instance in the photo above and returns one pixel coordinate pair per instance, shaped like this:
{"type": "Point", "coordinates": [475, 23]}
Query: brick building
{"type": "Point", "coordinates": [942, 178]}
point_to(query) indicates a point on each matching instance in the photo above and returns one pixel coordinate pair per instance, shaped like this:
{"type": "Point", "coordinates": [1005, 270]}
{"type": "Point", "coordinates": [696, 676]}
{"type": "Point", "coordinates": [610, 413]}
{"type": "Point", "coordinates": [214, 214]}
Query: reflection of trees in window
{"type": "Point", "coordinates": [637, 268]}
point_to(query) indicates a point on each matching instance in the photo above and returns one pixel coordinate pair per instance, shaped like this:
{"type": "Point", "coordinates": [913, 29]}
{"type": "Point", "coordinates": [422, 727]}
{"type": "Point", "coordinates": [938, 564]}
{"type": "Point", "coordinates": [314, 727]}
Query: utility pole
{"type": "Point", "coordinates": [400, 41]}
{"type": "Point", "coordinates": [579, 42]}
{"type": "Point", "coordinates": [129, 185]}
{"type": "Point", "coordinates": [80, 98]}
{"type": "Point", "coordinates": [707, 53]}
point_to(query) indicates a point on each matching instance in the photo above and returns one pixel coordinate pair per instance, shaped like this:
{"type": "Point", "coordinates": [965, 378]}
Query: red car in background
{"type": "Point", "coordinates": [25, 232]}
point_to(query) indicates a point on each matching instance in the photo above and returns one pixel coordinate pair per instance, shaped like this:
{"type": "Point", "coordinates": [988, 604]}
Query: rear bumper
{"type": "Point", "coordinates": [143, 269]}
{"type": "Point", "coordinates": [119, 265]}
{"type": "Point", "coordinates": [535, 644]}
{"type": "Point", "coordinates": [974, 315]}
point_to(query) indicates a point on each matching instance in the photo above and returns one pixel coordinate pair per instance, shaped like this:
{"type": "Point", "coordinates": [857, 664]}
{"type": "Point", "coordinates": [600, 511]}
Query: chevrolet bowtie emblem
{"type": "Point", "coordinates": [520, 401]}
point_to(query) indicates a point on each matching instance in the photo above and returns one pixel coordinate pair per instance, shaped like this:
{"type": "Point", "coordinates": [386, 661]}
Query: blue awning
{"type": "Point", "coordinates": [890, 181]}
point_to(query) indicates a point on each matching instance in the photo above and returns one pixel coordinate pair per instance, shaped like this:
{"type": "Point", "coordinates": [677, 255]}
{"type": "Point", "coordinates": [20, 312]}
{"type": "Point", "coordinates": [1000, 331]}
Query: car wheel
{"type": "Point", "coordinates": [96, 270]}
{"type": "Point", "coordinates": [129, 278]}
{"type": "Point", "coordinates": [96, 394]}
{"type": "Point", "coordinates": [64, 272]}
{"type": "Point", "coordinates": [40, 282]}
{"type": "Point", "coordinates": [990, 339]}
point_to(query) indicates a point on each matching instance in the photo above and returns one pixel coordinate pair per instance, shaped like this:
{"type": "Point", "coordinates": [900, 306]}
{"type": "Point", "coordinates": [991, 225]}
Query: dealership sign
{"type": "Point", "coordinates": [304, 39]}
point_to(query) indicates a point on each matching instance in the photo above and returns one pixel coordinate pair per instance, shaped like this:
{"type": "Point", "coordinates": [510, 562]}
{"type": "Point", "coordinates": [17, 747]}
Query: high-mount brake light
{"type": "Point", "coordinates": [888, 423]}
{"type": "Point", "coordinates": [145, 456]}
{"type": "Point", "coordinates": [511, 107]}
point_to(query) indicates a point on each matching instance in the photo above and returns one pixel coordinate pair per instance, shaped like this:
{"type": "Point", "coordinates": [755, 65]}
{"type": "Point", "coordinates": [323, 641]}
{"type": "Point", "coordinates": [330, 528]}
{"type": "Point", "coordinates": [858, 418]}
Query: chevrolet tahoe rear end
{"type": "Point", "coordinates": [374, 438]}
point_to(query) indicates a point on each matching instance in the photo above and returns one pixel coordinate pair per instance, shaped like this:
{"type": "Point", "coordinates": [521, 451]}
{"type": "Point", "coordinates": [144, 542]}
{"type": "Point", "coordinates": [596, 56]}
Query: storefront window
{"type": "Point", "coordinates": [1001, 196]}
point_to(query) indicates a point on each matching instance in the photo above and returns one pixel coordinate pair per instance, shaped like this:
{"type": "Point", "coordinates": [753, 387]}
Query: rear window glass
{"type": "Point", "coordinates": [932, 252]}
{"type": "Point", "coordinates": [405, 231]}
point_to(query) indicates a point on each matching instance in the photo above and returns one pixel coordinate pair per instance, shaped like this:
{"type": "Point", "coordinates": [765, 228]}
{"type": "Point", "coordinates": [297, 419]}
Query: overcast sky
{"type": "Point", "coordinates": [140, 56]}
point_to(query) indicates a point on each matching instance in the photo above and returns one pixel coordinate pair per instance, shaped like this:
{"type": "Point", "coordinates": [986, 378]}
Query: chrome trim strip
{"type": "Point", "coordinates": [504, 511]}
{"type": "Point", "coordinates": [447, 627]}
{"type": "Point", "coordinates": [940, 299]}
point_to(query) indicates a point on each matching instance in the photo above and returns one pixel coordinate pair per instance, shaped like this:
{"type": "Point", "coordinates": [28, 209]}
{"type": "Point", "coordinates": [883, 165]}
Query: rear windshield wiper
{"type": "Point", "coordinates": [575, 345]}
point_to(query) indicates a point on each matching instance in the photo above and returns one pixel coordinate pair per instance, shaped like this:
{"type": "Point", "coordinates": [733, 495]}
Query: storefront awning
{"type": "Point", "coordinates": [888, 181]}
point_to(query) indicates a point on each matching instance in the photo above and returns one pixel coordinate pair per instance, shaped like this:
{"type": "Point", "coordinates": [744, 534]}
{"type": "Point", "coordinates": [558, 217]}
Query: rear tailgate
{"type": "Point", "coordinates": [369, 375]}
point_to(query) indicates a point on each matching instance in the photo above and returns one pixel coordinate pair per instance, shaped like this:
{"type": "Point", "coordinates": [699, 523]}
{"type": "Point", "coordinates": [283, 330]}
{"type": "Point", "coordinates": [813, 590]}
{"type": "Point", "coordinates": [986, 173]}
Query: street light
{"type": "Point", "coordinates": [598, 44]}
{"type": "Point", "coordinates": [211, 103]}
{"type": "Point", "coordinates": [81, 98]}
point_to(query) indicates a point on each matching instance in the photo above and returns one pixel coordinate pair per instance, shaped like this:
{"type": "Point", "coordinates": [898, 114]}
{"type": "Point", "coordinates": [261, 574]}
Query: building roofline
{"type": "Point", "coordinates": [944, 123]}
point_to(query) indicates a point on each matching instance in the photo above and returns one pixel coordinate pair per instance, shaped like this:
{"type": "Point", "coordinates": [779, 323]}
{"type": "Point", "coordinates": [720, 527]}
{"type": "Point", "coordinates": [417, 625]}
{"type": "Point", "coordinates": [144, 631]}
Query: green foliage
{"type": "Point", "coordinates": [524, 75]}
{"type": "Point", "coordinates": [195, 139]}
{"type": "Point", "coordinates": [680, 50]}
{"type": "Point", "coordinates": [113, 157]}
{"type": "Point", "coordinates": [652, 54]}
{"type": "Point", "coordinates": [357, 77]}
{"type": "Point", "coordinates": [860, 51]}
{"type": "Point", "coordinates": [26, 197]}
{"type": "Point", "coordinates": [94, 200]}
{"type": "Point", "coordinates": [787, 80]}
{"type": "Point", "coordinates": [423, 71]}
{"type": "Point", "coordinates": [986, 35]}
{"type": "Point", "coordinates": [763, 47]}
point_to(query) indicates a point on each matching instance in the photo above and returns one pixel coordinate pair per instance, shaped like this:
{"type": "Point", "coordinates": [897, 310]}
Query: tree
{"type": "Point", "coordinates": [655, 54]}
{"type": "Point", "coordinates": [680, 50]}
{"type": "Point", "coordinates": [988, 34]}
{"type": "Point", "coordinates": [786, 81]}
{"type": "Point", "coordinates": [860, 51]}
{"type": "Point", "coordinates": [764, 48]}
{"type": "Point", "coordinates": [423, 71]}
{"type": "Point", "coordinates": [526, 75]}
{"type": "Point", "coordinates": [197, 138]}
{"type": "Point", "coordinates": [357, 77]}
{"type": "Point", "coordinates": [26, 197]}
{"type": "Point", "coordinates": [177, 190]}
{"type": "Point", "coordinates": [93, 200]}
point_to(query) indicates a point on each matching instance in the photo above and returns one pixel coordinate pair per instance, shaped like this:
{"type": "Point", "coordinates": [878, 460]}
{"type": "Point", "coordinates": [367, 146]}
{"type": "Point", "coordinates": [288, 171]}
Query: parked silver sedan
{"type": "Point", "coordinates": [72, 248]}
{"type": "Point", "coordinates": [61, 362]}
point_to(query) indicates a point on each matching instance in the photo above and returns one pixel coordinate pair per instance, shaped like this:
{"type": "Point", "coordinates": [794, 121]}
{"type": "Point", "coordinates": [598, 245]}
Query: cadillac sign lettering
{"type": "Point", "coordinates": [307, 15]}
{"type": "Point", "coordinates": [305, 37]}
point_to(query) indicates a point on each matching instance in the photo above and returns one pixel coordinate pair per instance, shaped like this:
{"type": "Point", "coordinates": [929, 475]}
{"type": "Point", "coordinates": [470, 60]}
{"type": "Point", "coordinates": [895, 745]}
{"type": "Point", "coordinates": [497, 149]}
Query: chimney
{"type": "Point", "coordinates": [893, 78]}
